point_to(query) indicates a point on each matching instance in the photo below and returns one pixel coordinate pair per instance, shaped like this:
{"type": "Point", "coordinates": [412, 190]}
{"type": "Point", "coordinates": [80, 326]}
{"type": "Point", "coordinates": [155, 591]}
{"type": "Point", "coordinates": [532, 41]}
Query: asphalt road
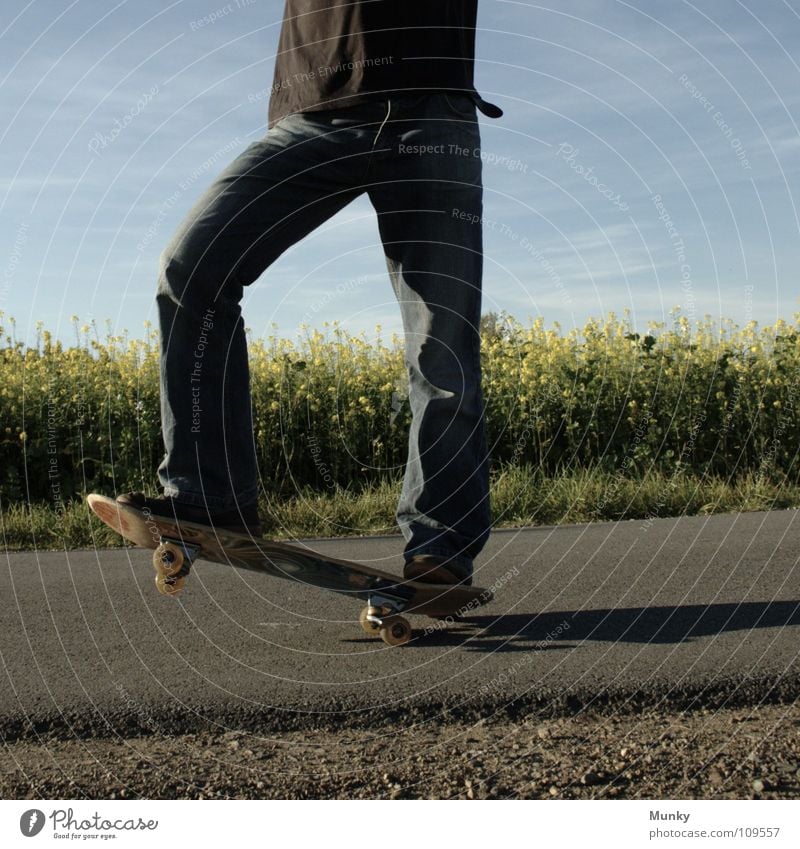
{"type": "Point", "coordinates": [688, 611]}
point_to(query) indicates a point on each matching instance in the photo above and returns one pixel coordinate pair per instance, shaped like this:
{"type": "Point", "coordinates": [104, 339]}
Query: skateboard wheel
{"type": "Point", "coordinates": [366, 625]}
{"type": "Point", "coordinates": [169, 586]}
{"type": "Point", "coordinates": [395, 631]}
{"type": "Point", "coordinates": [168, 561]}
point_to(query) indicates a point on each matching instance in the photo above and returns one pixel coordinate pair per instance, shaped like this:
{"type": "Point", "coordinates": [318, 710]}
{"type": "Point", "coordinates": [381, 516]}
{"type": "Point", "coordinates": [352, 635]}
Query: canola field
{"type": "Point", "coordinates": [331, 409]}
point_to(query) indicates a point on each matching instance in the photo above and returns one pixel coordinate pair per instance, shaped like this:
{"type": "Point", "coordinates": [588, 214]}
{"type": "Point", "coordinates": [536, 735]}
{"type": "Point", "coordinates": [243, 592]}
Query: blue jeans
{"type": "Point", "coordinates": [417, 157]}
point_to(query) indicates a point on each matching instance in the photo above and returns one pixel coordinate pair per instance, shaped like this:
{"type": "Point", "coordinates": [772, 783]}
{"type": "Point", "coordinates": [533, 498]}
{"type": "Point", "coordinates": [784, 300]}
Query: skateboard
{"type": "Point", "coordinates": [176, 547]}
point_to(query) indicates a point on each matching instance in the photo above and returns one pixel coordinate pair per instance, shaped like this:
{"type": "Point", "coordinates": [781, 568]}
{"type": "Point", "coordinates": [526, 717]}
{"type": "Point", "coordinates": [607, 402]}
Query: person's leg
{"type": "Point", "coordinates": [426, 188]}
{"type": "Point", "coordinates": [278, 190]}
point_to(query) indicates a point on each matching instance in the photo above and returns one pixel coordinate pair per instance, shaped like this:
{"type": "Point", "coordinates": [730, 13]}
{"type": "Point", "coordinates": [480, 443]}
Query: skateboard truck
{"type": "Point", "coordinates": [382, 616]}
{"type": "Point", "coordinates": [172, 560]}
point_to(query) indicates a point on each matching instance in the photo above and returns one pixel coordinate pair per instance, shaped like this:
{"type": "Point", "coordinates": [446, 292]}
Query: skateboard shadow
{"type": "Point", "coordinates": [563, 629]}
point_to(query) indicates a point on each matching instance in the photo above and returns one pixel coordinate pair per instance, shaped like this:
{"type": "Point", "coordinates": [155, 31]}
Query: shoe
{"type": "Point", "coordinates": [433, 569]}
{"type": "Point", "coordinates": [240, 520]}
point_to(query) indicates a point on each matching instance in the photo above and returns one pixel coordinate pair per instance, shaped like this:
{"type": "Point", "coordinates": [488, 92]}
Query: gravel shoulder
{"type": "Point", "coordinates": [732, 753]}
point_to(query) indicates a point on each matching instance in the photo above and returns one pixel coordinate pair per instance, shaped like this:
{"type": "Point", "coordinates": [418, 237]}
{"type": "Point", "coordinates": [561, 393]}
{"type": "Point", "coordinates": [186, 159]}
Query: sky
{"type": "Point", "coordinates": [648, 159]}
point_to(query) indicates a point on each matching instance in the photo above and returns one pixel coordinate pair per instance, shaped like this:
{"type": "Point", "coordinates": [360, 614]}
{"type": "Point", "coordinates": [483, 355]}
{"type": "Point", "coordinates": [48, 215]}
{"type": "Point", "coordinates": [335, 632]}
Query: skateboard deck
{"type": "Point", "coordinates": [175, 547]}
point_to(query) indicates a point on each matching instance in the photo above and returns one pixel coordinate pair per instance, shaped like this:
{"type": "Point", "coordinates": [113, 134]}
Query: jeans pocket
{"type": "Point", "coordinates": [460, 104]}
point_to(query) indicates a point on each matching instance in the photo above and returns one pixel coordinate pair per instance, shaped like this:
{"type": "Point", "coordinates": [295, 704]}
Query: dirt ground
{"type": "Point", "coordinates": [722, 754]}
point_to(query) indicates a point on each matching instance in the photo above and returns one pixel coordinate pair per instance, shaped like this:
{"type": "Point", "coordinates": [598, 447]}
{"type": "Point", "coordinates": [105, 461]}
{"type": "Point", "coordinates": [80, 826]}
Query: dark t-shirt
{"type": "Point", "coordinates": [333, 53]}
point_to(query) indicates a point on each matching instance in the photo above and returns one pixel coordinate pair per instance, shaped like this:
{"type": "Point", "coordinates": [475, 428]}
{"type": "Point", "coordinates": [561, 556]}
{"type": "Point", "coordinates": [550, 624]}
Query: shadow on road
{"type": "Point", "coordinates": [563, 629]}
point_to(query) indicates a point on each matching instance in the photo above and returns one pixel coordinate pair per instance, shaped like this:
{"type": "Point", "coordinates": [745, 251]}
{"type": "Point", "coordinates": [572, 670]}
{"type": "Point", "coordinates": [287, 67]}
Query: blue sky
{"type": "Point", "coordinates": [649, 157]}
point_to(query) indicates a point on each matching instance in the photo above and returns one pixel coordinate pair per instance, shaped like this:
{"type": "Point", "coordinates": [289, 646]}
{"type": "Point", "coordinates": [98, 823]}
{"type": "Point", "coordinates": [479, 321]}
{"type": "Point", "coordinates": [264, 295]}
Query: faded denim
{"type": "Point", "coordinates": [418, 159]}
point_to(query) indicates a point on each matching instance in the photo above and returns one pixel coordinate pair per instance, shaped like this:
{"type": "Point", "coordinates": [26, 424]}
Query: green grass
{"type": "Point", "coordinates": [520, 497]}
